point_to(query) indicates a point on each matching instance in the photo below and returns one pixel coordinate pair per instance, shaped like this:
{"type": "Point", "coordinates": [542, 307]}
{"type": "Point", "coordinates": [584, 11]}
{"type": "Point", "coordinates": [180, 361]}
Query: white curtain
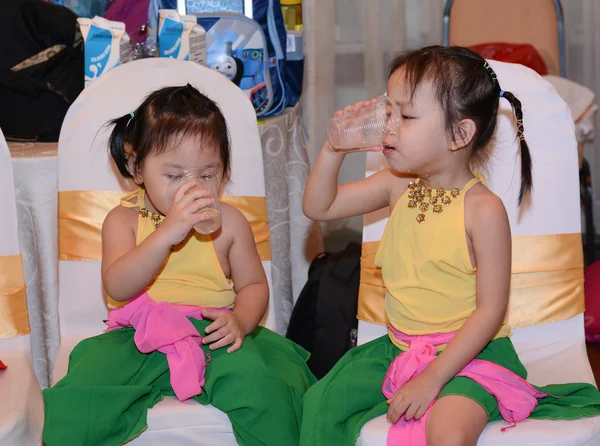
{"type": "Point", "coordinates": [582, 19]}
{"type": "Point", "coordinates": [350, 42]}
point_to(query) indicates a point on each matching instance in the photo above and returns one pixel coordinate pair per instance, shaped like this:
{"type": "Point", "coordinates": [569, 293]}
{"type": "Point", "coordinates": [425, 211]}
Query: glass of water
{"type": "Point", "coordinates": [366, 127]}
{"type": "Point", "coordinates": [209, 180]}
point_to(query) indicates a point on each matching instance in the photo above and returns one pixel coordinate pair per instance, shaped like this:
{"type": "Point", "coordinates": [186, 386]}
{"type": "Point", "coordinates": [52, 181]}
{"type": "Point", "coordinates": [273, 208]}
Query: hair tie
{"type": "Point", "coordinates": [490, 71]}
{"type": "Point", "coordinates": [132, 114]}
{"type": "Point", "coordinates": [501, 93]}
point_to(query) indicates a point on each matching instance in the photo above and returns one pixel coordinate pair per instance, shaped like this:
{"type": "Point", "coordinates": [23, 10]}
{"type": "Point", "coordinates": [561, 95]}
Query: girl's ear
{"type": "Point", "coordinates": [464, 133]}
{"type": "Point", "coordinates": [131, 166]}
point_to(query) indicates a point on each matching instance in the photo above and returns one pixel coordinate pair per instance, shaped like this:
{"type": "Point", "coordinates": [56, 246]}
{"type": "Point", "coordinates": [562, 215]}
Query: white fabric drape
{"type": "Point", "coordinates": [348, 44]}
{"type": "Point", "coordinates": [582, 19]}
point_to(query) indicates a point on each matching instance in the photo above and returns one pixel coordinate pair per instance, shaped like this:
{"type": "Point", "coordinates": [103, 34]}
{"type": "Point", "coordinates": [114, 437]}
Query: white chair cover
{"type": "Point", "coordinates": [552, 353]}
{"type": "Point", "coordinates": [84, 164]}
{"type": "Point", "coordinates": [21, 408]}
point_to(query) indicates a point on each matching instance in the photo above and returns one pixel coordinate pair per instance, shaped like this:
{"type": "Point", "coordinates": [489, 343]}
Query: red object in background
{"type": "Point", "coordinates": [592, 302]}
{"type": "Point", "coordinates": [134, 13]}
{"type": "Point", "coordinates": [2, 366]}
{"type": "Point", "coordinates": [522, 53]}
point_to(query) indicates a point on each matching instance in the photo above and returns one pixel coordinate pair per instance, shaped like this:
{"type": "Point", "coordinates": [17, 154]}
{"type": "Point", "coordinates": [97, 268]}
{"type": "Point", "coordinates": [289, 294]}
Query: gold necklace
{"type": "Point", "coordinates": [423, 197]}
{"type": "Point", "coordinates": [155, 218]}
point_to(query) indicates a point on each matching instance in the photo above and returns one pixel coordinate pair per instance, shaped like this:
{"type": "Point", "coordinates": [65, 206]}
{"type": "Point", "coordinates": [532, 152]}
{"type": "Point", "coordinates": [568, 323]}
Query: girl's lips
{"type": "Point", "coordinates": [388, 149]}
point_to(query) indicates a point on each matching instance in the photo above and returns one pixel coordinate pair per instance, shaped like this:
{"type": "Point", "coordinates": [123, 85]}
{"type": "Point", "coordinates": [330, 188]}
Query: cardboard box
{"type": "Point", "coordinates": [106, 45]}
{"type": "Point", "coordinates": [180, 37]}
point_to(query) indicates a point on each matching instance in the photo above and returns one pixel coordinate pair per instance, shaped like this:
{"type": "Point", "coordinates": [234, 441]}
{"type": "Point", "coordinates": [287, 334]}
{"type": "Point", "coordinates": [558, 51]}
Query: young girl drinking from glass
{"type": "Point", "coordinates": [185, 306]}
{"type": "Point", "coordinates": [446, 264]}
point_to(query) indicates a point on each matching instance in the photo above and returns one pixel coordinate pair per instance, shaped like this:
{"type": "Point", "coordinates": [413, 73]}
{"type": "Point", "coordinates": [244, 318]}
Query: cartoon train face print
{"type": "Point", "coordinates": [236, 48]}
{"type": "Point", "coordinates": [229, 66]}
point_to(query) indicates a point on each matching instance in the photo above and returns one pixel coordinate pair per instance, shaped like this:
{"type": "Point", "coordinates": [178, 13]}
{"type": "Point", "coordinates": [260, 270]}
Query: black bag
{"type": "Point", "coordinates": [324, 318]}
{"type": "Point", "coordinates": [41, 68]}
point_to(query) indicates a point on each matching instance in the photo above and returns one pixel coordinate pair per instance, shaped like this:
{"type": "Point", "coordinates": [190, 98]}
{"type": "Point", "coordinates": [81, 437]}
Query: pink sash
{"type": "Point", "coordinates": [165, 327]}
{"type": "Point", "coordinates": [516, 397]}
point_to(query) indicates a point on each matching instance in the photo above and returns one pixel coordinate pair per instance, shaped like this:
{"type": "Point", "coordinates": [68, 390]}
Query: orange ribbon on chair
{"type": "Point", "coordinates": [255, 211]}
{"type": "Point", "coordinates": [546, 283]}
{"type": "Point", "coordinates": [14, 319]}
{"type": "Point", "coordinates": [81, 214]}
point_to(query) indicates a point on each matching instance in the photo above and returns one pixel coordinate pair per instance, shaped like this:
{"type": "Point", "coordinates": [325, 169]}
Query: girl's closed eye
{"type": "Point", "coordinates": [173, 177]}
{"type": "Point", "coordinates": [406, 113]}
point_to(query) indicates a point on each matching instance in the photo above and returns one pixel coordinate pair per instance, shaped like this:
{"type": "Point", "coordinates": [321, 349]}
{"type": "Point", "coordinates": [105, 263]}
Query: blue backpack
{"type": "Point", "coordinates": [250, 52]}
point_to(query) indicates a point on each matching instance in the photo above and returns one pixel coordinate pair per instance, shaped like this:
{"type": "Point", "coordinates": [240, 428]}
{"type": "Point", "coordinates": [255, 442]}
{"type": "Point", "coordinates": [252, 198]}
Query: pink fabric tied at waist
{"type": "Point", "coordinates": [516, 397]}
{"type": "Point", "coordinates": [164, 327]}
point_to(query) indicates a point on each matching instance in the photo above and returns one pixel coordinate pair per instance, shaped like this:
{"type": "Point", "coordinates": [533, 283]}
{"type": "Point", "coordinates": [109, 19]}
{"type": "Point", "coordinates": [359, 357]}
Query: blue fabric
{"type": "Point", "coordinates": [84, 8]}
{"type": "Point", "coordinates": [155, 5]}
{"type": "Point", "coordinates": [294, 76]}
{"type": "Point", "coordinates": [277, 61]}
{"type": "Point", "coordinates": [286, 76]}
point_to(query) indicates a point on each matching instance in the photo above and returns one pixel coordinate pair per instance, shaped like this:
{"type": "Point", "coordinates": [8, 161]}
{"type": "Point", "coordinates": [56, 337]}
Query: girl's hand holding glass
{"type": "Point", "coordinates": [184, 212]}
{"type": "Point", "coordinates": [364, 126]}
{"type": "Point", "coordinates": [206, 179]}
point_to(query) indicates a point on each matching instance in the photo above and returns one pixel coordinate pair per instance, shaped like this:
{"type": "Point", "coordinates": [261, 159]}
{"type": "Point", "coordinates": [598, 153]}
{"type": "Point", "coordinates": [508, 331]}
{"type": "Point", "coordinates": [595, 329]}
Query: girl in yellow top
{"type": "Point", "coordinates": [445, 258]}
{"type": "Point", "coordinates": [149, 249]}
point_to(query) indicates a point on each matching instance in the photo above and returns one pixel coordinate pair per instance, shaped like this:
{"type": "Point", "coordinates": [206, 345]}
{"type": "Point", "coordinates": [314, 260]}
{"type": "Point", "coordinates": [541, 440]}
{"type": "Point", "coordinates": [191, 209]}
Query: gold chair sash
{"type": "Point", "coordinates": [81, 214]}
{"type": "Point", "coordinates": [14, 319]}
{"type": "Point", "coordinates": [546, 284]}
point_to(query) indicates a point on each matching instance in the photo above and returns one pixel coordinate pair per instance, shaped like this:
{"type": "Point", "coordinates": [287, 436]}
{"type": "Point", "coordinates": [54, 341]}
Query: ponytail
{"type": "Point", "coordinates": [123, 128]}
{"type": "Point", "coordinates": [526, 177]}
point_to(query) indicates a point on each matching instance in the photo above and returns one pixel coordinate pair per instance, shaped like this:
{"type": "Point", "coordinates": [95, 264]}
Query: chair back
{"type": "Point", "coordinates": [21, 407]}
{"type": "Point", "coordinates": [84, 165]}
{"type": "Point", "coordinates": [546, 300]}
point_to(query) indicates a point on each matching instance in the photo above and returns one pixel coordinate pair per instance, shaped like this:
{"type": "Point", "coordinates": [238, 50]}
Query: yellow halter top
{"type": "Point", "coordinates": [427, 269]}
{"type": "Point", "coordinates": [191, 274]}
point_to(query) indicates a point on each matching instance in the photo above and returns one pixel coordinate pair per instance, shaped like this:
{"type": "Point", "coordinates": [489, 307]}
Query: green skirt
{"type": "Point", "coordinates": [338, 406]}
{"type": "Point", "coordinates": [105, 396]}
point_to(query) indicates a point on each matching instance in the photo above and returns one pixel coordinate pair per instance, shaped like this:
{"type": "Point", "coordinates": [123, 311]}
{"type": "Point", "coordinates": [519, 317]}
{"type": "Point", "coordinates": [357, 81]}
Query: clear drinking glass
{"type": "Point", "coordinates": [209, 180]}
{"type": "Point", "coordinates": [367, 127]}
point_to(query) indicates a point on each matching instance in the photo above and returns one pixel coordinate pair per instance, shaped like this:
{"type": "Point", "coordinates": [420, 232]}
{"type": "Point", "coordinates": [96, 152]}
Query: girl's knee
{"type": "Point", "coordinates": [439, 434]}
{"type": "Point", "coordinates": [455, 421]}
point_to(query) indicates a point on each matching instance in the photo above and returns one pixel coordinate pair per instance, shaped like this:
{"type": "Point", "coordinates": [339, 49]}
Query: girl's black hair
{"type": "Point", "coordinates": [166, 117]}
{"type": "Point", "coordinates": [466, 87]}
